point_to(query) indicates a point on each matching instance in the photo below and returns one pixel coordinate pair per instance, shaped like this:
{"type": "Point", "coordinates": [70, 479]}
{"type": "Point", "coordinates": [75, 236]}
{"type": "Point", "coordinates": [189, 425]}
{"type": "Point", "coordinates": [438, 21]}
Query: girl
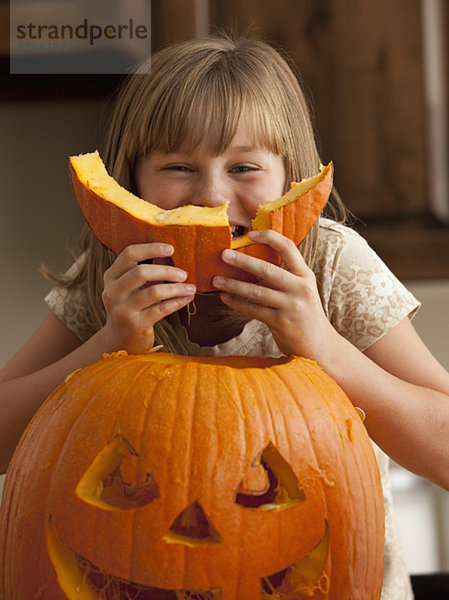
{"type": "Point", "coordinates": [212, 121]}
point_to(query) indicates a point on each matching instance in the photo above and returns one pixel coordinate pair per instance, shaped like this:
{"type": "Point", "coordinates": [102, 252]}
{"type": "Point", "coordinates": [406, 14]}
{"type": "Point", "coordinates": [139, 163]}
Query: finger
{"type": "Point", "coordinates": [142, 275]}
{"type": "Point", "coordinates": [270, 274]}
{"type": "Point", "coordinates": [157, 293]}
{"type": "Point", "coordinates": [250, 309]}
{"type": "Point", "coordinates": [291, 256]}
{"type": "Point", "coordinates": [136, 253]}
{"type": "Point", "coordinates": [253, 292]}
{"type": "Point", "coordinates": [167, 307]}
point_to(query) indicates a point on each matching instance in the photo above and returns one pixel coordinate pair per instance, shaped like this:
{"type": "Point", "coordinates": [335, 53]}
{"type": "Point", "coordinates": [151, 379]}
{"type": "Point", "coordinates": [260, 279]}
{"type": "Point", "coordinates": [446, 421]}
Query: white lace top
{"type": "Point", "coordinates": [362, 299]}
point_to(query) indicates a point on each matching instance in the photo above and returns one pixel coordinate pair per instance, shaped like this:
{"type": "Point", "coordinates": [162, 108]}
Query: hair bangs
{"type": "Point", "coordinates": [206, 111]}
{"type": "Point", "coordinates": [208, 118]}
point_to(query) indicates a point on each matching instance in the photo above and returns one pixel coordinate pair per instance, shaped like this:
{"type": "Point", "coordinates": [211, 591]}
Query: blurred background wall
{"type": "Point", "coordinates": [376, 76]}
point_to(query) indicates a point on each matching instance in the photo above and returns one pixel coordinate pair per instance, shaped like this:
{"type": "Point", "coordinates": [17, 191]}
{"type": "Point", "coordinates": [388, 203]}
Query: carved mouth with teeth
{"type": "Point", "coordinates": [80, 578]}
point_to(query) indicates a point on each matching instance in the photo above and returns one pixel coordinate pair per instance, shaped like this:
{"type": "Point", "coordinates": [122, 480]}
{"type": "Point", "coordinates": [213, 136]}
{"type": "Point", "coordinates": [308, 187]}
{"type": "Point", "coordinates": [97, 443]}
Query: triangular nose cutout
{"type": "Point", "coordinates": [192, 527]}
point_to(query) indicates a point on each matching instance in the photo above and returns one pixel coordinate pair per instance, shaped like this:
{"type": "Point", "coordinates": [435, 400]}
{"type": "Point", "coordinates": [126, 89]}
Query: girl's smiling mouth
{"type": "Point", "coordinates": [238, 231]}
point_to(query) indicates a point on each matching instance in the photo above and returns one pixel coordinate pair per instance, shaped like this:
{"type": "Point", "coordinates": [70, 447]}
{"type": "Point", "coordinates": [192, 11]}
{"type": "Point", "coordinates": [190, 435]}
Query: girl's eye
{"type": "Point", "coordinates": [179, 168]}
{"type": "Point", "coordinates": [243, 169]}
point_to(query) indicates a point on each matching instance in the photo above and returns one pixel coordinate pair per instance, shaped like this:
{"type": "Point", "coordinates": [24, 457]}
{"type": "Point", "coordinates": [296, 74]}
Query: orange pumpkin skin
{"type": "Point", "coordinates": [197, 248]}
{"type": "Point", "coordinates": [194, 428]}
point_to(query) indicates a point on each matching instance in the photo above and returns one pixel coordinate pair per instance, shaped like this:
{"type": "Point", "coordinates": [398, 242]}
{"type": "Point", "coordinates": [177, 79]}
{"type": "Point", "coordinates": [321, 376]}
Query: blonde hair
{"type": "Point", "coordinates": [192, 93]}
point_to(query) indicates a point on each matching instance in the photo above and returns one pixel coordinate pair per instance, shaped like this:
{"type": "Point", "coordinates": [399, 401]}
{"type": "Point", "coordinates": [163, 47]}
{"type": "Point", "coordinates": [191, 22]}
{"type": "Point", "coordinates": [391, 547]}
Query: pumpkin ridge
{"type": "Point", "coordinates": [284, 417]}
{"type": "Point", "coordinates": [18, 493]}
{"type": "Point", "coordinates": [312, 380]}
{"type": "Point", "coordinates": [334, 571]}
{"type": "Point", "coordinates": [234, 393]}
{"type": "Point", "coordinates": [189, 451]}
{"type": "Point", "coordinates": [363, 514]}
{"type": "Point", "coordinates": [133, 380]}
{"type": "Point", "coordinates": [262, 406]}
{"type": "Point", "coordinates": [255, 383]}
{"type": "Point", "coordinates": [123, 363]}
{"type": "Point", "coordinates": [343, 487]}
{"type": "Point", "coordinates": [323, 396]}
{"type": "Point", "coordinates": [218, 382]}
{"type": "Point", "coordinates": [133, 531]}
{"type": "Point", "coordinates": [278, 374]}
{"type": "Point", "coordinates": [89, 401]}
{"type": "Point", "coordinates": [7, 525]}
{"type": "Point", "coordinates": [364, 509]}
{"type": "Point", "coordinates": [244, 434]}
{"type": "Point", "coordinates": [273, 389]}
{"type": "Point", "coordinates": [177, 390]}
{"type": "Point", "coordinates": [299, 406]}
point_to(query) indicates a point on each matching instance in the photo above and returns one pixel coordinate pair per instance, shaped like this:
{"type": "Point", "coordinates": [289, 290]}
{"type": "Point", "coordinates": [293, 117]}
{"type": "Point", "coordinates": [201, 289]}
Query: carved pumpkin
{"type": "Point", "coordinates": [199, 234]}
{"type": "Point", "coordinates": [167, 477]}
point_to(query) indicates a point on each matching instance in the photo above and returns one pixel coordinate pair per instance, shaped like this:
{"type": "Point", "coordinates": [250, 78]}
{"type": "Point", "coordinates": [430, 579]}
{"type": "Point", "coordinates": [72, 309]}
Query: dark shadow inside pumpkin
{"type": "Point", "coordinates": [301, 579]}
{"type": "Point", "coordinates": [192, 527]}
{"type": "Point", "coordinates": [112, 481]}
{"type": "Point", "coordinates": [80, 578]}
{"type": "Point", "coordinates": [269, 484]}
{"type": "Point", "coordinates": [116, 492]}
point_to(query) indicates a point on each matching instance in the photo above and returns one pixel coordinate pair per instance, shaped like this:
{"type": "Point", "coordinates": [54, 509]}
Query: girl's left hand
{"type": "Point", "coordinates": [286, 299]}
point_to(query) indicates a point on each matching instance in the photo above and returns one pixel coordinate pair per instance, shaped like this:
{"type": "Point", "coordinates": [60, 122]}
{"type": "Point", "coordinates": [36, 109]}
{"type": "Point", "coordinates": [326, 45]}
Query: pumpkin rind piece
{"type": "Point", "coordinates": [199, 234]}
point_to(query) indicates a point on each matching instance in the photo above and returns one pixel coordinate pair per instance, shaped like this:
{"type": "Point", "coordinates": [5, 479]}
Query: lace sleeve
{"type": "Point", "coordinates": [362, 297]}
{"type": "Point", "coordinates": [71, 306]}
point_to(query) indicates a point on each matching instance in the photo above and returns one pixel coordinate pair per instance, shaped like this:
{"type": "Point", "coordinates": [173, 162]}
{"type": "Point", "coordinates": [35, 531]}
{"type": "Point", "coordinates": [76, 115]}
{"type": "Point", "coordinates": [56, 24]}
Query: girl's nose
{"type": "Point", "coordinates": [210, 191]}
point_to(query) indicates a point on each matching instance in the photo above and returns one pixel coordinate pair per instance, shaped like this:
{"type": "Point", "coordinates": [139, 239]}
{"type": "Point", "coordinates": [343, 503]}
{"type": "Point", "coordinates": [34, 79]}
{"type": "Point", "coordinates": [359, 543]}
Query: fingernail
{"type": "Point", "coordinates": [181, 275]}
{"type": "Point", "coordinates": [254, 234]}
{"type": "Point", "coordinates": [218, 281]}
{"type": "Point", "coordinates": [190, 288]}
{"type": "Point", "coordinates": [229, 254]}
{"type": "Point", "coordinates": [167, 248]}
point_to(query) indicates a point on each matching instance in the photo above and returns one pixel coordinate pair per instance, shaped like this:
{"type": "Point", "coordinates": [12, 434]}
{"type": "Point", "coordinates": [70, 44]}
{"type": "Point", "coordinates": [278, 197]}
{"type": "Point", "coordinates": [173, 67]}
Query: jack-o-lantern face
{"type": "Point", "coordinates": [203, 478]}
{"type": "Point", "coordinates": [268, 485]}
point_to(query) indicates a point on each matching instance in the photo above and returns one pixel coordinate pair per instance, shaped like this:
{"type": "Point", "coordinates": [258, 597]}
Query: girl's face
{"type": "Point", "coordinates": [244, 175]}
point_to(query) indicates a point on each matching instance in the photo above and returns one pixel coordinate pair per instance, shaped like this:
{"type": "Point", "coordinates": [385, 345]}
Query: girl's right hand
{"type": "Point", "coordinates": [137, 295]}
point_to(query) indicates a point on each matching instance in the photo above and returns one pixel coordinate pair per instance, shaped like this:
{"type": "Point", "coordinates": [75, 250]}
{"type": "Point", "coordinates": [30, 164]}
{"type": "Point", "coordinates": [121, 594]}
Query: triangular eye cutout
{"type": "Point", "coordinates": [281, 489]}
{"type": "Point", "coordinates": [192, 527]}
{"type": "Point", "coordinates": [111, 480]}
